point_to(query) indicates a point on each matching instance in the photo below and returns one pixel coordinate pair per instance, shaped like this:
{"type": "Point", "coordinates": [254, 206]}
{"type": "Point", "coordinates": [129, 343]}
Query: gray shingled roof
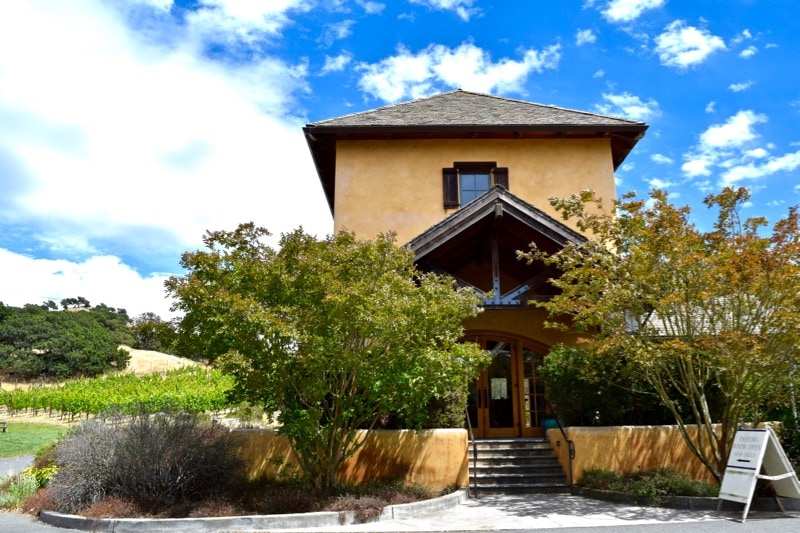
{"type": "Point", "coordinates": [464, 115]}
{"type": "Point", "coordinates": [463, 108]}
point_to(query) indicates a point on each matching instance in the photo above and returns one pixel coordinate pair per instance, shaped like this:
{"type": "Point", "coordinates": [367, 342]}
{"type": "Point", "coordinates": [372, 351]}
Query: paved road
{"type": "Point", "coordinates": [533, 512]}
{"type": "Point", "coordinates": [14, 465]}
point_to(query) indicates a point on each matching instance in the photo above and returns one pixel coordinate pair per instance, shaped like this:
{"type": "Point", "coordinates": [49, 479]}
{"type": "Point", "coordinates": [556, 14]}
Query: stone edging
{"type": "Point", "coordinates": [283, 521]}
{"type": "Point", "coordinates": [692, 503]}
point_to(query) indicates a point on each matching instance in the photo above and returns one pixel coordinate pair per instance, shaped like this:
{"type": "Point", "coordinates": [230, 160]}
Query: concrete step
{"type": "Point", "coordinates": [512, 488]}
{"type": "Point", "coordinates": [515, 465]}
{"type": "Point", "coordinates": [542, 462]}
{"type": "Point", "coordinates": [486, 470]}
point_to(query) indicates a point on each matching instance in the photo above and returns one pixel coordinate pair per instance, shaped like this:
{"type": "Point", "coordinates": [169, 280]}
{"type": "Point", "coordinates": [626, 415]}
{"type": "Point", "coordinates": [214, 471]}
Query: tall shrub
{"type": "Point", "coordinates": [154, 461]}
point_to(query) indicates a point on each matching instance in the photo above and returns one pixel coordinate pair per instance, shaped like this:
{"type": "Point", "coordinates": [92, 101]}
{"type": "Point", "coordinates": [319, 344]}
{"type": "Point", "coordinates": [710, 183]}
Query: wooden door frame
{"type": "Point", "coordinates": [516, 345]}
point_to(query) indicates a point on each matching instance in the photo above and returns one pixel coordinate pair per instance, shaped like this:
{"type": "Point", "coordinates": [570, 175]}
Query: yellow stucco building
{"type": "Point", "coordinates": [464, 180]}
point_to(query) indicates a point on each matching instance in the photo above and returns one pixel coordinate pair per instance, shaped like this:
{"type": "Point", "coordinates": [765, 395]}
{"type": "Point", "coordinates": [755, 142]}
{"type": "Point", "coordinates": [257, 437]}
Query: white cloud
{"type": "Point", "coordinates": [233, 21]}
{"type": "Point", "coordinates": [585, 37]}
{"type": "Point", "coordinates": [696, 165]}
{"type": "Point", "coordinates": [744, 36]}
{"type": "Point", "coordinates": [661, 159]}
{"type": "Point", "coordinates": [133, 148]}
{"type": "Point", "coordinates": [337, 63]}
{"type": "Point", "coordinates": [599, 74]}
{"type": "Point", "coordinates": [730, 149]}
{"type": "Point", "coordinates": [371, 8]}
{"type": "Point", "coordinates": [785, 163]}
{"type": "Point", "coordinates": [739, 87]}
{"type": "Point", "coordinates": [734, 133]}
{"type": "Point", "coordinates": [469, 67]}
{"type": "Point", "coordinates": [710, 107]}
{"type": "Point", "coordinates": [101, 279]}
{"type": "Point", "coordinates": [629, 106]}
{"type": "Point", "coordinates": [682, 46]}
{"type": "Point", "coordinates": [756, 153]}
{"type": "Point", "coordinates": [656, 183]}
{"type": "Point", "coordinates": [337, 31]}
{"type": "Point", "coordinates": [462, 8]}
{"type": "Point", "coordinates": [718, 145]}
{"type": "Point", "coordinates": [161, 5]}
{"type": "Point", "coordinates": [748, 52]}
{"type": "Point", "coordinates": [629, 10]}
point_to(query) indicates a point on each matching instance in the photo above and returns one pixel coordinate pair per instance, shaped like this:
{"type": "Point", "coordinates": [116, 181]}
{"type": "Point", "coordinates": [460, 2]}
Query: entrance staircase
{"type": "Point", "coordinates": [515, 465]}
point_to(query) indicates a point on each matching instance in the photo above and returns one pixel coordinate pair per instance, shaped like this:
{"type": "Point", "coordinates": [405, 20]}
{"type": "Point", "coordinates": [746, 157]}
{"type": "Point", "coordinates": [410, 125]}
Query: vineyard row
{"type": "Point", "coordinates": [192, 390]}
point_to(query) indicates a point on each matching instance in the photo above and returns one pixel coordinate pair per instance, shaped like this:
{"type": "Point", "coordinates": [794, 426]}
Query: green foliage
{"type": "Point", "coordinates": [75, 303]}
{"type": "Point", "coordinates": [586, 390]}
{"type": "Point", "coordinates": [42, 475]}
{"type": "Point", "coordinates": [332, 334]}
{"type": "Point", "coordinates": [36, 342]}
{"type": "Point", "coordinates": [248, 414]}
{"type": "Point", "coordinates": [150, 332]}
{"type": "Point", "coordinates": [789, 434]}
{"type": "Point", "coordinates": [648, 486]}
{"type": "Point", "coordinates": [445, 410]}
{"type": "Point", "coordinates": [116, 321]}
{"type": "Point", "coordinates": [703, 315]}
{"type": "Point", "coordinates": [193, 390]}
{"type": "Point", "coordinates": [15, 489]}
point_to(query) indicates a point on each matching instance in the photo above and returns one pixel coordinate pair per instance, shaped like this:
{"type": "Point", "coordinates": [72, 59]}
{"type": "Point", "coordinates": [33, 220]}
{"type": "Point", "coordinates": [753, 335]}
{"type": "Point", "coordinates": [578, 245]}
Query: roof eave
{"type": "Point", "coordinates": [321, 140]}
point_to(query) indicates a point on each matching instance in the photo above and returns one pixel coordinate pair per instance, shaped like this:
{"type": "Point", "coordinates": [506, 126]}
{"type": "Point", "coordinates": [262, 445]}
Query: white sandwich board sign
{"type": "Point", "coordinates": [757, 454]}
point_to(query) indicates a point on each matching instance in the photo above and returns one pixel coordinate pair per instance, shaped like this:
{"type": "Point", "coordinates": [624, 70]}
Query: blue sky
{"type": "Point", "coordinates": [129, 127]}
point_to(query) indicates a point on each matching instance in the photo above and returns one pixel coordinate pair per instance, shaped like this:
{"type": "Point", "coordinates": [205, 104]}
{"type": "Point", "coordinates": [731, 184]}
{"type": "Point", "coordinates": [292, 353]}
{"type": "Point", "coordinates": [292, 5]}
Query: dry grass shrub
{"type": "Point", "coordinates": [214, 509]}
{"type": "Point", "coordinates": [160, 463]}
{"type": "Point", "coordinates": [365, 508]}
{"type": "Point", "coordinates": [37, 501]}
{"type": "Point", "coordinates": [176, 466]}
{"type": "Point", "coordinates": [85, 457]}
{"type": "Point", "coordinates": [260, 497]}
{"type": "Point", "coordinates": [112, 508]}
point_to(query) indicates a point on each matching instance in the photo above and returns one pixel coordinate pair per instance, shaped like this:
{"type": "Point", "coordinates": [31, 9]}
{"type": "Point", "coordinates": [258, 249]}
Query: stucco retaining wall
{"type": "Point", "coordinates": [627, 449]}
{"type": "Point", "coordinates": [434, 458]}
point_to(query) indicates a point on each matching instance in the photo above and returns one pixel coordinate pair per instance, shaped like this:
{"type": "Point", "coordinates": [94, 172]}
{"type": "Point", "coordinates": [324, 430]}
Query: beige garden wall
{"type": "Point", "coordinates": [433, 458]}
{"type": "Point", "coordinates": [628, 448]}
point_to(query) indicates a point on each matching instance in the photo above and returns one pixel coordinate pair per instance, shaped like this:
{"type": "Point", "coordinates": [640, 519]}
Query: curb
{"type": "Point", "coordinates": [282, 521]}
{"type": "Point", "coordinates": [690, 503]}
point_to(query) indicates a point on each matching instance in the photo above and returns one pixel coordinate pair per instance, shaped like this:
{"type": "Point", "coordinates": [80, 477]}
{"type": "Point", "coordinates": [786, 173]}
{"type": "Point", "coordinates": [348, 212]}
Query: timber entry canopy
{"type": "Point", "coordinates": [478, 246]}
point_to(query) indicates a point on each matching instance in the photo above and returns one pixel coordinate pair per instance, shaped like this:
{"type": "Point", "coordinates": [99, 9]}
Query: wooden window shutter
{"type": "Point", "coordinates": [501, 176]}
{"type": "Point", "coordinates": [450, 184]}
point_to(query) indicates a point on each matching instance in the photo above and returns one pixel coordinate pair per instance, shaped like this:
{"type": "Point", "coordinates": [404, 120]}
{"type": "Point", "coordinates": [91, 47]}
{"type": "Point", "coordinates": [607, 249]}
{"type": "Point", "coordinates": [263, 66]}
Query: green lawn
{"type": "Point", "coordinates": [27, 439]}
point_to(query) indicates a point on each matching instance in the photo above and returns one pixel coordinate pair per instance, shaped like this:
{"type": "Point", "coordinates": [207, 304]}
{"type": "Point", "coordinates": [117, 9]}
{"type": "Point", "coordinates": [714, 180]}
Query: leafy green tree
{"type": "Point", "coordinates": [116, 321]}
{"type": "Point", "coordinates": [37, 343]}
{"type": "Point", "coordinates": [702, 314]}
{"type": "Point", "coordinates": [332, 335]}
{"type": "Point", "coordinates": [75, 303]}
{"type": "Point", "coordinates": [150, 332]}
{"type": "Point", "coordinates": [599, 391]}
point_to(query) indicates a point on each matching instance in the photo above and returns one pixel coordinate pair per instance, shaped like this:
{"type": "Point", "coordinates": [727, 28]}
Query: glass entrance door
{"type": "Point", "coordinates": [507, 399]}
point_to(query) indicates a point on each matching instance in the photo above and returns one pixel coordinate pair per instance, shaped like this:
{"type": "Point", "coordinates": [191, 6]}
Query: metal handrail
{"type": "Point", "coordinates": [570, 443]}
{"type": "Point", "coordinates": [474, 475]}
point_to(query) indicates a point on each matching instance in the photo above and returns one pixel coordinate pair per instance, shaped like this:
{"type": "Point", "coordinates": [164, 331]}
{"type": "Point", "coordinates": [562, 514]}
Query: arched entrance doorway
{"type": "Point", "coordinates": [507, 399]}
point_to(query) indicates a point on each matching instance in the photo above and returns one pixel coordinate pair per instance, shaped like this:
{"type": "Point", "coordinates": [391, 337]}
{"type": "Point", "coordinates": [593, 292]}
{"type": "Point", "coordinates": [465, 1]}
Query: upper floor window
{"type": "Point", "coordinates": [466, 180]}
{"type": "Point", "coordinates": [473, 184]}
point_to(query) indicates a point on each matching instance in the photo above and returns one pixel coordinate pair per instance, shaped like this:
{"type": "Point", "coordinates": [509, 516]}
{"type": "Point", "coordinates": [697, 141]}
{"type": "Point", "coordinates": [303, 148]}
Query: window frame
{"type": "Point", "coordinates": [451, 177]}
